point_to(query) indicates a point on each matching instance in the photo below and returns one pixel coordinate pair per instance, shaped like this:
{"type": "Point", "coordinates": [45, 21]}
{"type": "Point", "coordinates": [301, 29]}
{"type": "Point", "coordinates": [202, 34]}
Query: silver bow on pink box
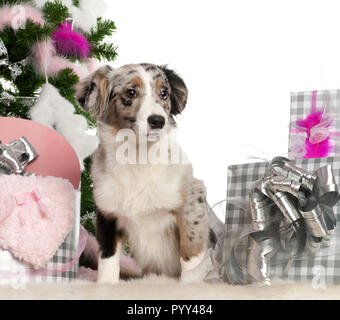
{"type": "Point", "coordinates": [16, 155]}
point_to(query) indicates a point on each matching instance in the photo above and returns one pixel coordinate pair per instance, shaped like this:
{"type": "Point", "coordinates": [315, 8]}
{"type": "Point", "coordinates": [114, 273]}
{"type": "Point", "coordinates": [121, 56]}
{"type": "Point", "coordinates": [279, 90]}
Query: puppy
{"type": "Point", "coordinates": [159, 208]}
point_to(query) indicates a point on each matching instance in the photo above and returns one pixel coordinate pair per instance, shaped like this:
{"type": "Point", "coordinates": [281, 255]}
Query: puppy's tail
{"type": "Point", "coordinates": [128, 268]}
{"type": "Point", "coordinates": [91, 251]}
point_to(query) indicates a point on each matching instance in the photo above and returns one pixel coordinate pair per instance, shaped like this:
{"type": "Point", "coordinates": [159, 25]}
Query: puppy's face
{"type": "Point", "coordinates": [142, 97]}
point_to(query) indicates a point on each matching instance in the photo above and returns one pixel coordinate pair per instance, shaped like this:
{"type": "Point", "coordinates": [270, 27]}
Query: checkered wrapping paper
{"type": "Point", "coordinates": [300, 107]}
{"type": "Point", "coordinates": [241, 178]}
{"type": "Point", "coordinates": [67, 252]}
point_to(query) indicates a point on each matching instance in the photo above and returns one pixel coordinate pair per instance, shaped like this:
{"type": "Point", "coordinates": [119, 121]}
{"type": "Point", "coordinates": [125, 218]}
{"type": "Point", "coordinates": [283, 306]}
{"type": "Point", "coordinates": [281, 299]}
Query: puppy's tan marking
{"type": "Point", "coordinates": [190, 245]}
{"type": "Point", "coordinates": [192, 220]}
{"type": "Point", "coordinates": [102, 82]}
{"type": "Point", "coordinates": [159, 84]}
{"type": "Point", "coordinates": [137, 82]}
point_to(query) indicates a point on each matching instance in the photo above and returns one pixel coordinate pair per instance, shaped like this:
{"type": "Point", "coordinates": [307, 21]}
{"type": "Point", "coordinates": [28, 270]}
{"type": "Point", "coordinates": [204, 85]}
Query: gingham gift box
{"type": "Point", "coordinates": [325, 265]}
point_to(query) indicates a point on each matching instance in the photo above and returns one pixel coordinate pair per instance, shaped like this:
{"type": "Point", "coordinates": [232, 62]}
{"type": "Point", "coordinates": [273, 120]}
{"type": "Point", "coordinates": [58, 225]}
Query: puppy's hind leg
{"type": "Point", "coordinates": [110, 240]}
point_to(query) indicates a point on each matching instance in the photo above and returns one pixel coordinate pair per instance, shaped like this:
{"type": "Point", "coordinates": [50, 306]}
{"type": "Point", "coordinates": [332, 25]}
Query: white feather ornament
{"type": "Point", "coordinates": [54, 111]}
{"type": "Point", "coordinates": [85, 16]}
{"type": "Point", "coordinates": [40, 3]}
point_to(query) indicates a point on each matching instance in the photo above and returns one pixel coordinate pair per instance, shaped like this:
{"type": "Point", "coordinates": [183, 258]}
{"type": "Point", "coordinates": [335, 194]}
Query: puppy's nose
{"type": "Point", "coordinates": [156, 122]}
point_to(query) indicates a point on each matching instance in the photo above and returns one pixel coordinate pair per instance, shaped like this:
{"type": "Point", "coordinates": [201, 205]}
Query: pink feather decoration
{"type": "Point", "coordinates": [93, 64]}
{"type": "Point", "coordinates": [70, 43]}
{"type": "Point", "coordinates": [317, 150]}
{"type": "Point", "coordinates": [15, 16]}
{"type": "Point", "coordinates": [42, 52]}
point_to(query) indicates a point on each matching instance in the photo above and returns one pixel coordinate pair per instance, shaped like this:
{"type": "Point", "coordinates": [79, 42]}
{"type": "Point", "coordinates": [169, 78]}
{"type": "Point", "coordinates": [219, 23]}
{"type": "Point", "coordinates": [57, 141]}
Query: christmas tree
{"type": "Point", "coordinates": [46, 47]}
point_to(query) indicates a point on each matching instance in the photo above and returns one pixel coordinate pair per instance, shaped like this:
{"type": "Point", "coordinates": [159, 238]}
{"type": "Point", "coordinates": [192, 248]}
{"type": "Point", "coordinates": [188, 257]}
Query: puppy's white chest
{"type": "Point", "coordinates": [154, 243]}
{"type": "Point", "coordinates": [138, 190]}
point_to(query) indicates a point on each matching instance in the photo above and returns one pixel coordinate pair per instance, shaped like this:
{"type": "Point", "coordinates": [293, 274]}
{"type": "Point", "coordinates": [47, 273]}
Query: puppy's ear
{"type": "Point", "coordinates": [92, 93]}
{"type": "Point", "coordinates": [179, 91]}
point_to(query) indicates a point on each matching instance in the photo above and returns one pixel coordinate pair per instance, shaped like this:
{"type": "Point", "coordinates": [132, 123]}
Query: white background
{"type": "Point", "coordinates": [240, 60]}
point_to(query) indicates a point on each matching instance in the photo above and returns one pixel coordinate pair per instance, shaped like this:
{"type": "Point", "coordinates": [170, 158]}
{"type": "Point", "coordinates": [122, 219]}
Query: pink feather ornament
{"type": "Point", "coordinates": [319, 149]}
{"type": "Point", "coordinates": [42, 52]}
{"type": "Point", "coordinates": [314, 134]}
{"type": "Point", "coordinates": [45, 52]}
{"type": "Point", "coordinates": [70, 43]}
{"type": "Point", "coordinates": [16, 16]}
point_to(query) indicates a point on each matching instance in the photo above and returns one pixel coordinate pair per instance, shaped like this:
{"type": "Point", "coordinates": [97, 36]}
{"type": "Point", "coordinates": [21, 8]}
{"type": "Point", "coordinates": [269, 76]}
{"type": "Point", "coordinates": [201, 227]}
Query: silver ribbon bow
{"type": "Point", "coordinates": [16, 67]}
{"type": "Point", "coordinates": [290, 209]}
{"type": "Point", "coordinates": [7, 98]}
{"type": "Point", "coordinates": [15, 156]}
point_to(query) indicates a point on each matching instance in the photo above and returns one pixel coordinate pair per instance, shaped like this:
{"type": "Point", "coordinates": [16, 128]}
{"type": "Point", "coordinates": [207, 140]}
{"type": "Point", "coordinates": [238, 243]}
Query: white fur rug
{"type": "Point", "coordinates": [161, 288]}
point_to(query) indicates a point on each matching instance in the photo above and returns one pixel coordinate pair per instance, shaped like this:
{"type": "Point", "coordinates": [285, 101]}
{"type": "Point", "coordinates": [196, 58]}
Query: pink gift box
{"type": "Point", "coordinates": [56, 158]}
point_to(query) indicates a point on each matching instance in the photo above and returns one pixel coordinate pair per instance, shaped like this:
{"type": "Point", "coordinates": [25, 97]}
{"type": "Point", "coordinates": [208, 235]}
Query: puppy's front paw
{"type": "Point", "coordinates": [108, 271]}
{"type": "Point", "coordinates": [192, 269]}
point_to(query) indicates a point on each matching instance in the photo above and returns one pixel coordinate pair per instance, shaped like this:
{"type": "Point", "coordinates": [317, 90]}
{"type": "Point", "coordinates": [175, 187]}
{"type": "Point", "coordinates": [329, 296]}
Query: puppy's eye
{"type": "Point", "coordinates": [132, 94]}
{"type": "Point", "coordinates": [164, 94]}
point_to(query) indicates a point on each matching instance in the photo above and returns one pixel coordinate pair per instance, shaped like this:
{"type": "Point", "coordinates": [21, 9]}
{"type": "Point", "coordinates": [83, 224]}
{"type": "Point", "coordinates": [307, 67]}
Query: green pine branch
{"type": "Point", "coordinates": [14, 2]}
{"type": "Point", "coordinates": [87, 200]}
{"type": "Point", "coordinates": [19, 43]}
{"type": "Point", "coordinates": [88, 220]}
{"type": "Point", "coordinates": [55, 13]}
{"type": "Point", "coordinates": [100, 49]}
{"type": "Point", "coordinates": [103, 29]}
{"type": "Point", "coordinates": [29, 82]}
{"type": "Point", "coordinates": [65, 82]}
{"type": "Point", "coordinates": [16, 109]}
{"type": "Point", "coordinates": [104, 51]}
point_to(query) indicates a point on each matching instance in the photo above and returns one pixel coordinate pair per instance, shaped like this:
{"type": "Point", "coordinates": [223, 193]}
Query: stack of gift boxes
{"type": "Point", "coordinates": [281, 215]}
{"type": "Point", "coordinates": [40, 234]}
